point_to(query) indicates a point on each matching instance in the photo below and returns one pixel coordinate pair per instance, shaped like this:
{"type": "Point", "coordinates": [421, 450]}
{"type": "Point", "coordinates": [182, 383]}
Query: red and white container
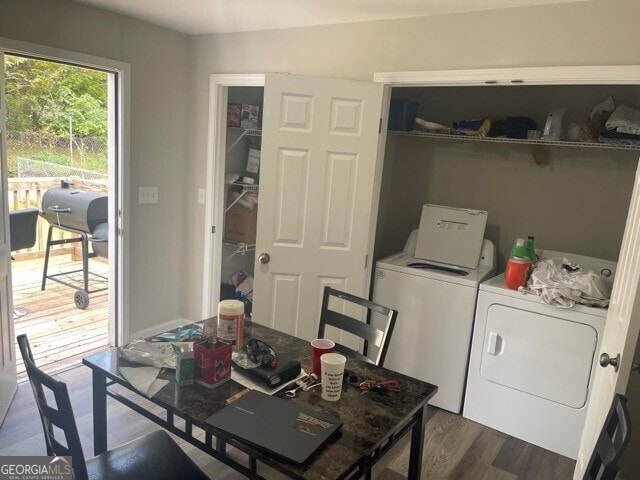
{"type": "Point", "coordinates": [212, 362]}
{"type": "Point", "coordinates": [518, 272]}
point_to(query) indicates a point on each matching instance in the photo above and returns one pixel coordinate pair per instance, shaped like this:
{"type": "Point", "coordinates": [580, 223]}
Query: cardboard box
{"type": "Point", "coordinates": [240, 224]}
{"type": "Point", "coordinates": [213, 362]}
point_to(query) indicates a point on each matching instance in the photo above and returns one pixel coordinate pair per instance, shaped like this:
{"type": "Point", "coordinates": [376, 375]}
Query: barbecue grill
{"type": "Point", "coordinates": [83, 213]}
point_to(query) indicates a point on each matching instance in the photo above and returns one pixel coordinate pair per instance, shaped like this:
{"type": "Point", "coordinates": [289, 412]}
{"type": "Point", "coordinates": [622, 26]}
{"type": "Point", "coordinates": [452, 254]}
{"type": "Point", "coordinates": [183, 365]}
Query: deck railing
{"type": "Point", "coordinates": [27, 193]}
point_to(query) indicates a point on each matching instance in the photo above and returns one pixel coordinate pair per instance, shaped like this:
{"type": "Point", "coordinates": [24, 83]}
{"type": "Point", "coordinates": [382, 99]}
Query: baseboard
{"type": "Point", "coordinates": [156, 329]}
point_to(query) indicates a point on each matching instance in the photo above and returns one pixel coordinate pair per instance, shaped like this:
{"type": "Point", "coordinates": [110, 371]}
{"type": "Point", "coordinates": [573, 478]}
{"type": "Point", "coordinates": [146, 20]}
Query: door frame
{"type": "Point", "coordinates": [214, 203]}
{"type": "Point", "coordinates": [119, 169]}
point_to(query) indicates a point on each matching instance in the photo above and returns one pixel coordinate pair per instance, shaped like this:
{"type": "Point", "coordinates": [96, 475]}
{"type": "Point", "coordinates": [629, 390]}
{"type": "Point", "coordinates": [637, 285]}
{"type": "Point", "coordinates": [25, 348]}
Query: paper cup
{"type": "Point", "coordinates": [332, 365]}
{"type": "Point", "coordinates": [319, 347]}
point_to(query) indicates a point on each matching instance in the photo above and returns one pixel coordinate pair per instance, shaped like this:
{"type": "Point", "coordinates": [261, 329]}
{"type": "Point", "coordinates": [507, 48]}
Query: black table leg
{"type": "Point", "coordinates": [417, 442]}
{"type": "Point", "coordinates": [99, 413]}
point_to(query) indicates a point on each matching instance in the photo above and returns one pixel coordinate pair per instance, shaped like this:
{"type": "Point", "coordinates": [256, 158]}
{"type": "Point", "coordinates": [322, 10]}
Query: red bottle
{"type": "Point", "coordinates": [518, 271]}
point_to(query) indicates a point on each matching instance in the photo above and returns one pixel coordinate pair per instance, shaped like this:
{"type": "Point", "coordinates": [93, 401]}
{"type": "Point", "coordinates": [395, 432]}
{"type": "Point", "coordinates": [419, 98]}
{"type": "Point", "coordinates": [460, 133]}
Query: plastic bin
{"type": "Point", "coordinates": [402, 115]}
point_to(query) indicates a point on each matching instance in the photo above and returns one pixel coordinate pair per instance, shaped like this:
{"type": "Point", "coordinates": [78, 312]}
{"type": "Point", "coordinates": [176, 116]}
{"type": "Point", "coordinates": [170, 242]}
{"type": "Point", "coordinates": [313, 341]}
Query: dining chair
{"type": "Point", "coordinates": [154, 455]}
{"type": "Point", "coordinates": [372, 336]}
{"type": "Point", "coordinates": [22, 228]}
{"type": "Point", "coordinates": [613, 439]}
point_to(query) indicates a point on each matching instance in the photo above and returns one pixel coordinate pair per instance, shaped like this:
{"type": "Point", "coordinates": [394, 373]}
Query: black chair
{"type": "Point", "coordinates": [372, 336]}
{"type": "Point", "coordinates": [154, 455]}
{"type": "Point", "coordinates": [22, 228]}
{"type": "Point", "coordinates": [613, 439]}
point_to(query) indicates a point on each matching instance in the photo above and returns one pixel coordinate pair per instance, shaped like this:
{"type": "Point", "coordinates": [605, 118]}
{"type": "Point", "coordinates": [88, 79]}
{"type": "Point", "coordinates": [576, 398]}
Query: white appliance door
{"type": "Point", "coordinates": [541, 355]}
{"type": "Point", "coordinates": [432, 334]}
{"type": "Point", "coordinates": [318, 194]}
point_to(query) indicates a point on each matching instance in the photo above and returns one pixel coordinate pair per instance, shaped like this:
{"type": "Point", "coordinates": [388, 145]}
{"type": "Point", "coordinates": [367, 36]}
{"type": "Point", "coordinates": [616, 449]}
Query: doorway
{"type": "Point", "coordinates": [61, 162]}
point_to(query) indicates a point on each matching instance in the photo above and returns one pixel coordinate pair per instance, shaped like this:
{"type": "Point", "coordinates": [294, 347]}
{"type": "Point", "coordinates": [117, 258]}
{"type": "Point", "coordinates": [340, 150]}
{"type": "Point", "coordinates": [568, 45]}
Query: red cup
{"type": "Point", "coordinates": [518, 272]}
{"type": "Point", "coordinates": [319, 347]}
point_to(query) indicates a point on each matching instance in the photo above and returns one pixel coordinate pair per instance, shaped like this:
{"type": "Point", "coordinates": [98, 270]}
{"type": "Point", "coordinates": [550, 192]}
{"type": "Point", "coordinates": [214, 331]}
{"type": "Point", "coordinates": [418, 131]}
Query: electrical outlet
{"type": "Point", "coordinates": [147, 194]}
{"type": "Point", "coordinates": [201, 196]}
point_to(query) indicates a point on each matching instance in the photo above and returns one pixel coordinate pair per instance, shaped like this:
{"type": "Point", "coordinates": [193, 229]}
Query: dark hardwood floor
{"type": "Point", "coordinates": [455, 448]}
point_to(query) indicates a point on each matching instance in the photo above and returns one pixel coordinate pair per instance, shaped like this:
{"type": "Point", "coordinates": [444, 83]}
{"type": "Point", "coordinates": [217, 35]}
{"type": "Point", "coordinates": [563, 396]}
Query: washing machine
{"type": "Point", "coordinates": [532, 365]}
{"type": "Point", "coordinates": [435, 301]}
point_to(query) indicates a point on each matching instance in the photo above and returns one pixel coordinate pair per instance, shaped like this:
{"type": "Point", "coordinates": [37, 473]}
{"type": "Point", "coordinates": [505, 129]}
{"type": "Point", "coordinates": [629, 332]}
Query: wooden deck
{"type": "Point", "coordinates": [59, 333]}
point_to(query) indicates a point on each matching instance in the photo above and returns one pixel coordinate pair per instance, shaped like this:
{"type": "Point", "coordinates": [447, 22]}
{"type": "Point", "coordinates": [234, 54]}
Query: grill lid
{"type": "Point", "coordinates": [75, 209]}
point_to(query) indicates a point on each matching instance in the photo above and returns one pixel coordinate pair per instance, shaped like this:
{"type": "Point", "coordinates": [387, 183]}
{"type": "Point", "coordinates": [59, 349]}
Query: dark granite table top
{"type": "Point", "coordinates": [368, 419]}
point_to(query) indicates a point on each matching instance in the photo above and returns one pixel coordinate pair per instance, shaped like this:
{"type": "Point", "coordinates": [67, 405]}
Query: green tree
{"type": "Point", "coordinates": [43, 96]}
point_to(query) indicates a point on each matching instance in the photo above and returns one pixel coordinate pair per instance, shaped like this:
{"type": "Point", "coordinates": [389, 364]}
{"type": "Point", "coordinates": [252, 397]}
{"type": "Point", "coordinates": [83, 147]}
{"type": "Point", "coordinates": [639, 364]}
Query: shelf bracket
{"type": "Point", "coordinates": [237, 141]}
{"type": "Point", "coordinates": [241, 250]}
{"type": "Point", "coordinates": [242, 194]}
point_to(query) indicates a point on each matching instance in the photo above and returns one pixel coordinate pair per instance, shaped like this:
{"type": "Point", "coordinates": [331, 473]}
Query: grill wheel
{"type": "Point", "coordinates": [81, 297]}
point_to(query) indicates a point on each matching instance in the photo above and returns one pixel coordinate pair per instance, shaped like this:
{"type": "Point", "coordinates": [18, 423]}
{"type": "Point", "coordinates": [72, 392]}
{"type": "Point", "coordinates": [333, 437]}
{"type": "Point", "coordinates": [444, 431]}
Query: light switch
{"type": "Point", "coordinates": [201, 196]}
{"type": "Point", "coordinates": [147, 194]}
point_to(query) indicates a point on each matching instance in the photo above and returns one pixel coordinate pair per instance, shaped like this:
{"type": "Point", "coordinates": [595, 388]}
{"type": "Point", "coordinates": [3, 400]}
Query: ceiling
{"type": "Point", "coordinates": [220, 16]}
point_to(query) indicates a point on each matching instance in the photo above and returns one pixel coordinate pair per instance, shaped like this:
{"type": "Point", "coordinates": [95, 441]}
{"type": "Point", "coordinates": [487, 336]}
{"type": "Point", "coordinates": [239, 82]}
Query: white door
{"type": "Point", "coordinates": [8, 377]}
{"type": "Point", "coordinates": [319, 187]}
{"type": "Point", "coordinates": [620, 333]}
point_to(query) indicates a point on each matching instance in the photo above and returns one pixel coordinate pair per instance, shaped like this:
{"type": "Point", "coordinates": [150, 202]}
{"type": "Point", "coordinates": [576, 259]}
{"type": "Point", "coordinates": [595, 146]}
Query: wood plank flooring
{"type": "Point", "coordinates": [454, 448]}
{"type": "Point", "coordinates": [60, 334]}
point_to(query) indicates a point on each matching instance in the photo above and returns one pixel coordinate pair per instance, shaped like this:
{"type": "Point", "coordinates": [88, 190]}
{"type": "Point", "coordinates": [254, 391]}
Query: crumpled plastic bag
{"type": "Point", "coordinates": [158, 354]}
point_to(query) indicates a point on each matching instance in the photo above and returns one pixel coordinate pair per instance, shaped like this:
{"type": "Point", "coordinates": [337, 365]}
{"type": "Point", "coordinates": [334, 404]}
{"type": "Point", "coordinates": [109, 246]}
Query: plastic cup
{"type": "Point", "coordinates": [319, 347]}
{"type": "Point", "coordinates": [332, 374]}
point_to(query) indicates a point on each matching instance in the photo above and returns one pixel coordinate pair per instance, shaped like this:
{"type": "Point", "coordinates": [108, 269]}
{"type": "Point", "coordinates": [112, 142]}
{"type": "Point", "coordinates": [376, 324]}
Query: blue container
{"type": "Point", "coordinates": [402, 115]}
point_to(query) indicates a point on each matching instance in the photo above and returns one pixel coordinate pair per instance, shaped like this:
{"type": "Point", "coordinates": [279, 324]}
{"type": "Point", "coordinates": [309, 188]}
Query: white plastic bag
{"type": "Point", "coordinates": [158, 354]}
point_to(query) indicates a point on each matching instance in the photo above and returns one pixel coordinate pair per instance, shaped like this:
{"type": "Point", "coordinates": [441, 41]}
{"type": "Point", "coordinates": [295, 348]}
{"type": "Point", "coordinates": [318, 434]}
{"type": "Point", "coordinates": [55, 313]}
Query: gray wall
{"type": "Point", "coordinates": [160, 72]}
{"type": "Point", "coordinates": [577, 204]}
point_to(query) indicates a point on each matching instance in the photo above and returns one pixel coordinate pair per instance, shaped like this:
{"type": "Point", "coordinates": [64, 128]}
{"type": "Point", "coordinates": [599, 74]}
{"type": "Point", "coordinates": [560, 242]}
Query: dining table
{"type": "Point", "coordinates": [373, 421]}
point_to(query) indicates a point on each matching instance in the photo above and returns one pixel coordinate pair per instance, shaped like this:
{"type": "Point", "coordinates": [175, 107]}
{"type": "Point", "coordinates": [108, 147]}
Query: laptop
{"type": "Point", "coordinates": [281, 427]}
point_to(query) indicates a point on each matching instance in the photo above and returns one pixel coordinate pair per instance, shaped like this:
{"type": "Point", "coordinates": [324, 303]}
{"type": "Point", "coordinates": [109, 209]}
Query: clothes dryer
{"type": "Point", "coordinates": [531, 367]}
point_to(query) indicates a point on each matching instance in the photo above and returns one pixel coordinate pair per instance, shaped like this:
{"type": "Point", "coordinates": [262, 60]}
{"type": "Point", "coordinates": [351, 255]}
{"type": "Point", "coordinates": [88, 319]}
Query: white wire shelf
{"type": "Point", "coordinates": [250, 132]}
{"type": "Point", "coordinates": [239, 248]}
{"type": "Point", "coordinates": [244, 132]}
{"type": "Point", "coordinates": [246, 187]}
{"type": "Point", "coordinates": [524, 141]}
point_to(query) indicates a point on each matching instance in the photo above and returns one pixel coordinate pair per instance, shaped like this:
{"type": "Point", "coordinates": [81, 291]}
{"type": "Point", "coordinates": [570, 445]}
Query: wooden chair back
{"type": "Point", "coordinates": [371, 335]}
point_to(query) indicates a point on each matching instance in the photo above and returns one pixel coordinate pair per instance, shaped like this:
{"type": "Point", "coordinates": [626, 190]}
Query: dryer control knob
{"type": "Point", "coordinates": [605, 272]}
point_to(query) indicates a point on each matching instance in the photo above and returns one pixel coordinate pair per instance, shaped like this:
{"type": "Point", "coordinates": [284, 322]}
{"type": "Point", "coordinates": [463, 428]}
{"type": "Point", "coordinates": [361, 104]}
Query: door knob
{"type": "Point", "coordinates": [606, 360]}
{"type": "Point", "coordinates": [264, 258]}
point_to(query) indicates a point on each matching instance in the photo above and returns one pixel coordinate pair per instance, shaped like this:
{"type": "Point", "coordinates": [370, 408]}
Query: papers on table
{"type": "Point", "coordinates": [144, 379]}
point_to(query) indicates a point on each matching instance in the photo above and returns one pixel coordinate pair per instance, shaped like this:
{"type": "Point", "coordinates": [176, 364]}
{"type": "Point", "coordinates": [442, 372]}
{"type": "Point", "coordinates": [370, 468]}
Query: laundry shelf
{"type": "Point", "coordinates": [246, 187]}
{"type": "Point", "coordinates": [465, 138]}
{"type": "Point", "coordinates": [244, 132]}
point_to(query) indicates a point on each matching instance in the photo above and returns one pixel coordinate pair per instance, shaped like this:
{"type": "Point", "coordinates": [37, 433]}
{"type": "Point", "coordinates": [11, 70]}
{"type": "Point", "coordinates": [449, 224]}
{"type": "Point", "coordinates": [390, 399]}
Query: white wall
{"type": "Point", "coordinates": [160, 71]}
